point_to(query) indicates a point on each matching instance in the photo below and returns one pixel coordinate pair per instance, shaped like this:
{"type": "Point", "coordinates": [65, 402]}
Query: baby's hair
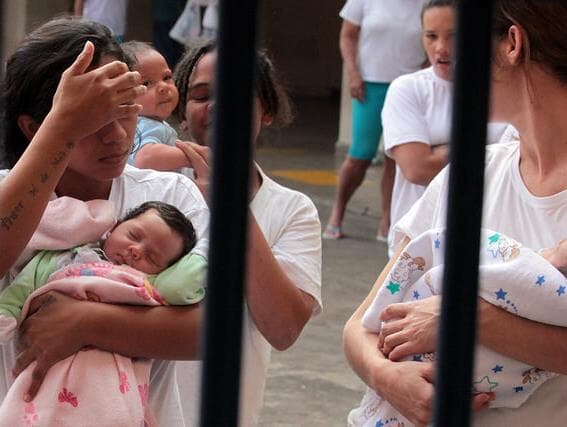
{"type": "Point", "coordinates": [267, 85]}
{"type": "Point", "coordinates": [172, 217]}
{"type": "Point", "coordinates": [134, 49]}
{"type": "Point", "coordinates": [34, 70]}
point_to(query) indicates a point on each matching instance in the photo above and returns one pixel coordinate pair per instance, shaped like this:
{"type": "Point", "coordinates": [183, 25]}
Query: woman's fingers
{"type": "Point", "coordinates": [83, 60]}
{"type": "Point", "coordinates": [481, 401]}
{"type": "Point", "coordinates": [387, 329]}
{"type": "Point", "coordinates": [114, 69]}
{"type": "Point", "coordinates": [24, 360]}
{"type": "Point", "coordinates": [409, 328]}
{"type": "Point", "coordinates": [394, 339]}
{"type": "Point", "coordinates": [129, 96]}
{"type": "Point", "coordinates": [126, 80]}
{"type": "Point", "coordinates": [395, 311]}
{"type": "Point", "coordinates": [197, 157]}
{"type": "Point", "coordinates": [38, 375]}
{"type": "Point", "coordinates": [126, 110]}
{"type": "Point", "coordinates": [400, 351]}
{"type": "Point", "coordinates": [412, 391]}
{"type": "Point", "coordinates": [36, 304]}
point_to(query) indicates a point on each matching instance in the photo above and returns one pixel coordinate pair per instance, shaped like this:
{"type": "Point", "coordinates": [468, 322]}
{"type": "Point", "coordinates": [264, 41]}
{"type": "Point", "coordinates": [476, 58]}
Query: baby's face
{"type": "Point", "coordinates": [145, 243]}
{"type": "Point", "coordinates": [161, 97]}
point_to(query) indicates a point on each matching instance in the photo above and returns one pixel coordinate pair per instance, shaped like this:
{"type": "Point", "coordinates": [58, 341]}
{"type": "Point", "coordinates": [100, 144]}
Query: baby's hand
{"type": "Point", "coordinates": [557, 255]}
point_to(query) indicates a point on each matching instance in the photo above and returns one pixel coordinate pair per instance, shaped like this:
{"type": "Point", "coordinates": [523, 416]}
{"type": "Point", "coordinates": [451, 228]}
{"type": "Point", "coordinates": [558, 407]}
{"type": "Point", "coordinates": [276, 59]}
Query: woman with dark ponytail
{"type": "Point", "coordinates": [525, 197]}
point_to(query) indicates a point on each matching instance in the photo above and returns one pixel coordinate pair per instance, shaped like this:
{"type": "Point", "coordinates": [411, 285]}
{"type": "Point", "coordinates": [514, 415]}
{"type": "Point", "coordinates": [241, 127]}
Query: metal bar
{"type": "Point", "coordinates": [464, 214]}
{"type": "Point", "coordinates": [3, 163]}
{"type": "Point", "coordinates": [229, 210]}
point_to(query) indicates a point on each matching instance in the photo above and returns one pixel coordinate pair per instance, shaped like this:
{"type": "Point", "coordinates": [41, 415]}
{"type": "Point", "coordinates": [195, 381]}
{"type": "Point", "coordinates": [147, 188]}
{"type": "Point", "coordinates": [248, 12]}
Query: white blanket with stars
{"type": "Point", "coordinates": [511, 276]}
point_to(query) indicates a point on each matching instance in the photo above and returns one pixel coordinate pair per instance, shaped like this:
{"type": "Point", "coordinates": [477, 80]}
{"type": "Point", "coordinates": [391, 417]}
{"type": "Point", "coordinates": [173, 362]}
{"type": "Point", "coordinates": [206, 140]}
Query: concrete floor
{"type": "Point", "coordinates": [311, 383]}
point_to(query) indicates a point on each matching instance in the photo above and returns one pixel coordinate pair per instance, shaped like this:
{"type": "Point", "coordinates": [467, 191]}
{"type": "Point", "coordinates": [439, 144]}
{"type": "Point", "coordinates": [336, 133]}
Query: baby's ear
{"type": "Point", "coordinates": [27, 125]}
{"type": "Point", "coordinates": [183, 126]}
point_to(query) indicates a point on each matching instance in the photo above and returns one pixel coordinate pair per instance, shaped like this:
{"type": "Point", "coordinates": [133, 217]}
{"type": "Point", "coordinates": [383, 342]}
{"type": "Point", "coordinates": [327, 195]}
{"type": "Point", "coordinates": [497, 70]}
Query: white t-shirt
{"type": "Point", "coordinates": [291, 226]}
{"type": "Point", "coordinates": [389, 42]}
{"type": "Point", "coordinates": [111, 13]}
{"type": "Point", "coordinates": [418, 108]}
{"type": "Point", "coordinates": [129, 190]}
{"type": "Point", "coordinates": [537, 222]}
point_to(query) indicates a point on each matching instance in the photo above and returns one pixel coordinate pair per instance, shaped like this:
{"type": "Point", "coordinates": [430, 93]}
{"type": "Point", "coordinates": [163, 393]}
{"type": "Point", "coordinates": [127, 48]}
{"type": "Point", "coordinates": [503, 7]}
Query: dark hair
{"type": "Point", "coordinates": [267, 85]}
{"type": "Point", "coordinates": [172, 217]}
{"type": "Point", "coordinates": [437, 3]}
{"type": "Point", "coordinates": [134, 48]}
{"type": "Point", "coordinates": [542, 23]}
{"type": "Point", "coordinates": [34, 70]}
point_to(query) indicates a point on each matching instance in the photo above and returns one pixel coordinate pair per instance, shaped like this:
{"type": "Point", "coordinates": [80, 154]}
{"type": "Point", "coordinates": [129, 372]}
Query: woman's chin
{"type": "Point", "coordinates": [444, 71]}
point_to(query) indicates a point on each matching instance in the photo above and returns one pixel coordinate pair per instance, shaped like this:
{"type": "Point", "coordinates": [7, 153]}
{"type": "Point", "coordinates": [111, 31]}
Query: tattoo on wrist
{"type": "Point", "coordinates": [33, 191]}
{"type": "Point", "coordinates": [7, 221]}
{"type": "Point", "coordinates": [59, 156]}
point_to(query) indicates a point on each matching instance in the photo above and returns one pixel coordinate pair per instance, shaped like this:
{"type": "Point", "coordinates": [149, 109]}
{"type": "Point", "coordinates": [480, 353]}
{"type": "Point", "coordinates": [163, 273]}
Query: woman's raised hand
{"type": "Point", "coordinates": [409, 328]}
{"type": "Point", "coordinates": [198, 158]}
{"type": "Point", "coordinates": [85, 100]}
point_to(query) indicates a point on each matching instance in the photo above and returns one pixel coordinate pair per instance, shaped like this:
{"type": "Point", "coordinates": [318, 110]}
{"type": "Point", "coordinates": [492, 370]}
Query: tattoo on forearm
{"type": "Point", "coordinates": [33, 191]}
{"type": "Point", "coordinates": [59, 156]}
{"type": "Point", "coordinates": [7, 221]}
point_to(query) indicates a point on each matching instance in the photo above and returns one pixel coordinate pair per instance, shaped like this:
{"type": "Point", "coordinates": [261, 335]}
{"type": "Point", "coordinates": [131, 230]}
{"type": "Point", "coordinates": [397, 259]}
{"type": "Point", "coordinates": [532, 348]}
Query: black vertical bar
{"type": "Point", "coordinates": [464, 214]}
{"type": "Point", "coordinates": [3, 163]}
{"type": "Point", "coordinates": [229, 201]}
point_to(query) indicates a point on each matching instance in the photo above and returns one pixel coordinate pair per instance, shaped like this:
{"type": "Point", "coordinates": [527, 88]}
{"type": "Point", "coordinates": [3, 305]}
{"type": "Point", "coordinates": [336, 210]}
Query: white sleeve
{"type": "Point", "coordinates": [430, 211]}
{"type": "Point", "coordinates": [298, 251]}
{"type": "Point", "coordinates": [403, 116]}
{"type": "Point", "coordinates": [352, 11]}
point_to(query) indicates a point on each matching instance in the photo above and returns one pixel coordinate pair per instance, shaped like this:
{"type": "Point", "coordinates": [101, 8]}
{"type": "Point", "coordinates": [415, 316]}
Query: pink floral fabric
{"type": "Point", "coordinates": [105, 388]}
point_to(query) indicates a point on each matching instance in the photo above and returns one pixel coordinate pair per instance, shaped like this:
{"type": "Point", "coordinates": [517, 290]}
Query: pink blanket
{"type": "Point", "coordinates": [68, 222]}
{"type": "Point", "coordinates": [92, 387]}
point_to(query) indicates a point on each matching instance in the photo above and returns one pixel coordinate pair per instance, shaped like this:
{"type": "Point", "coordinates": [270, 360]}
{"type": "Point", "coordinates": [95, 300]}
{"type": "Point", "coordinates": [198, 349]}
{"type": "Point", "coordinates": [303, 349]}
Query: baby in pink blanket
{"type": "Point", "coordinates": [143, 260]}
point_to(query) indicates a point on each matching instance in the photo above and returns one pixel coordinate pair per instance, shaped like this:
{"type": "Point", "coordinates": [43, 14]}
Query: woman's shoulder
{"type": "Point", "coordinates": [417, 77]}
{"type": "Point", "coordinates": [143, 176]}
{"type": "Point", "coordinates": [419, 84]}
{"type": "Point", "coordinates": [501, 153]}
{"type": "Point", "coordinates": [155, 183]}
{"type": "Point", "coordinates": [274, 193]}
{"type": "Point", "coordinates": [279, 209]}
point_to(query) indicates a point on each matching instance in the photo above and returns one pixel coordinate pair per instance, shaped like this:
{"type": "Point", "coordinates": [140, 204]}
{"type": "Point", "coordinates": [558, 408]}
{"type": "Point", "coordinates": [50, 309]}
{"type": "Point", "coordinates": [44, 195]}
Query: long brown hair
{"type": "Point", "coordinates": [542, 23]}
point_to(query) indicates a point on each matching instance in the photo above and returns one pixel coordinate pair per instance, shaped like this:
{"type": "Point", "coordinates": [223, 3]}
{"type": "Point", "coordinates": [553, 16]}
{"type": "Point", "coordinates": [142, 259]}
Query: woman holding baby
{"type": "Point", "coordinates": [525, 197]}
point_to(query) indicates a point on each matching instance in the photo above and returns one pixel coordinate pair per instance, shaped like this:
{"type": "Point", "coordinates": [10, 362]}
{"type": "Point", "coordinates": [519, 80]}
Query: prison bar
{"type": "Point", "coordinates": [229, 211]}
{"type": "Point", "coordinates": [464, 214]}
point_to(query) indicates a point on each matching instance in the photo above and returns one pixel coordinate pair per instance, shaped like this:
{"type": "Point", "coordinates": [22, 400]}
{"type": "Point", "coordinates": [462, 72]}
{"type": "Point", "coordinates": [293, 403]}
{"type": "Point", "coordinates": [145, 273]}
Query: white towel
{"type": "Point", "coordinates": [512, 277]}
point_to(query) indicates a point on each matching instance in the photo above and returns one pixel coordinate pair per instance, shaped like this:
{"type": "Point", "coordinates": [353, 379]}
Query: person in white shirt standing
{"type": "Point", "coordinates": [525, 196]}
{"type": "Point", "coordinates": [283, 280]}
{"type": "Point", "coordinates": [379, 41]}
{"type": "Point", "coordinates": [111, 13]}
{"type": "Point", "coordinates": [70, 119]}
{"type": "Point", "coordinates": [417, 113]}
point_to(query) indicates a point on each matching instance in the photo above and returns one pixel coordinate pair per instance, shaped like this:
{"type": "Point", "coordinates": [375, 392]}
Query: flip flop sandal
{"type": "Point", "coordinates": [332, 233]}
